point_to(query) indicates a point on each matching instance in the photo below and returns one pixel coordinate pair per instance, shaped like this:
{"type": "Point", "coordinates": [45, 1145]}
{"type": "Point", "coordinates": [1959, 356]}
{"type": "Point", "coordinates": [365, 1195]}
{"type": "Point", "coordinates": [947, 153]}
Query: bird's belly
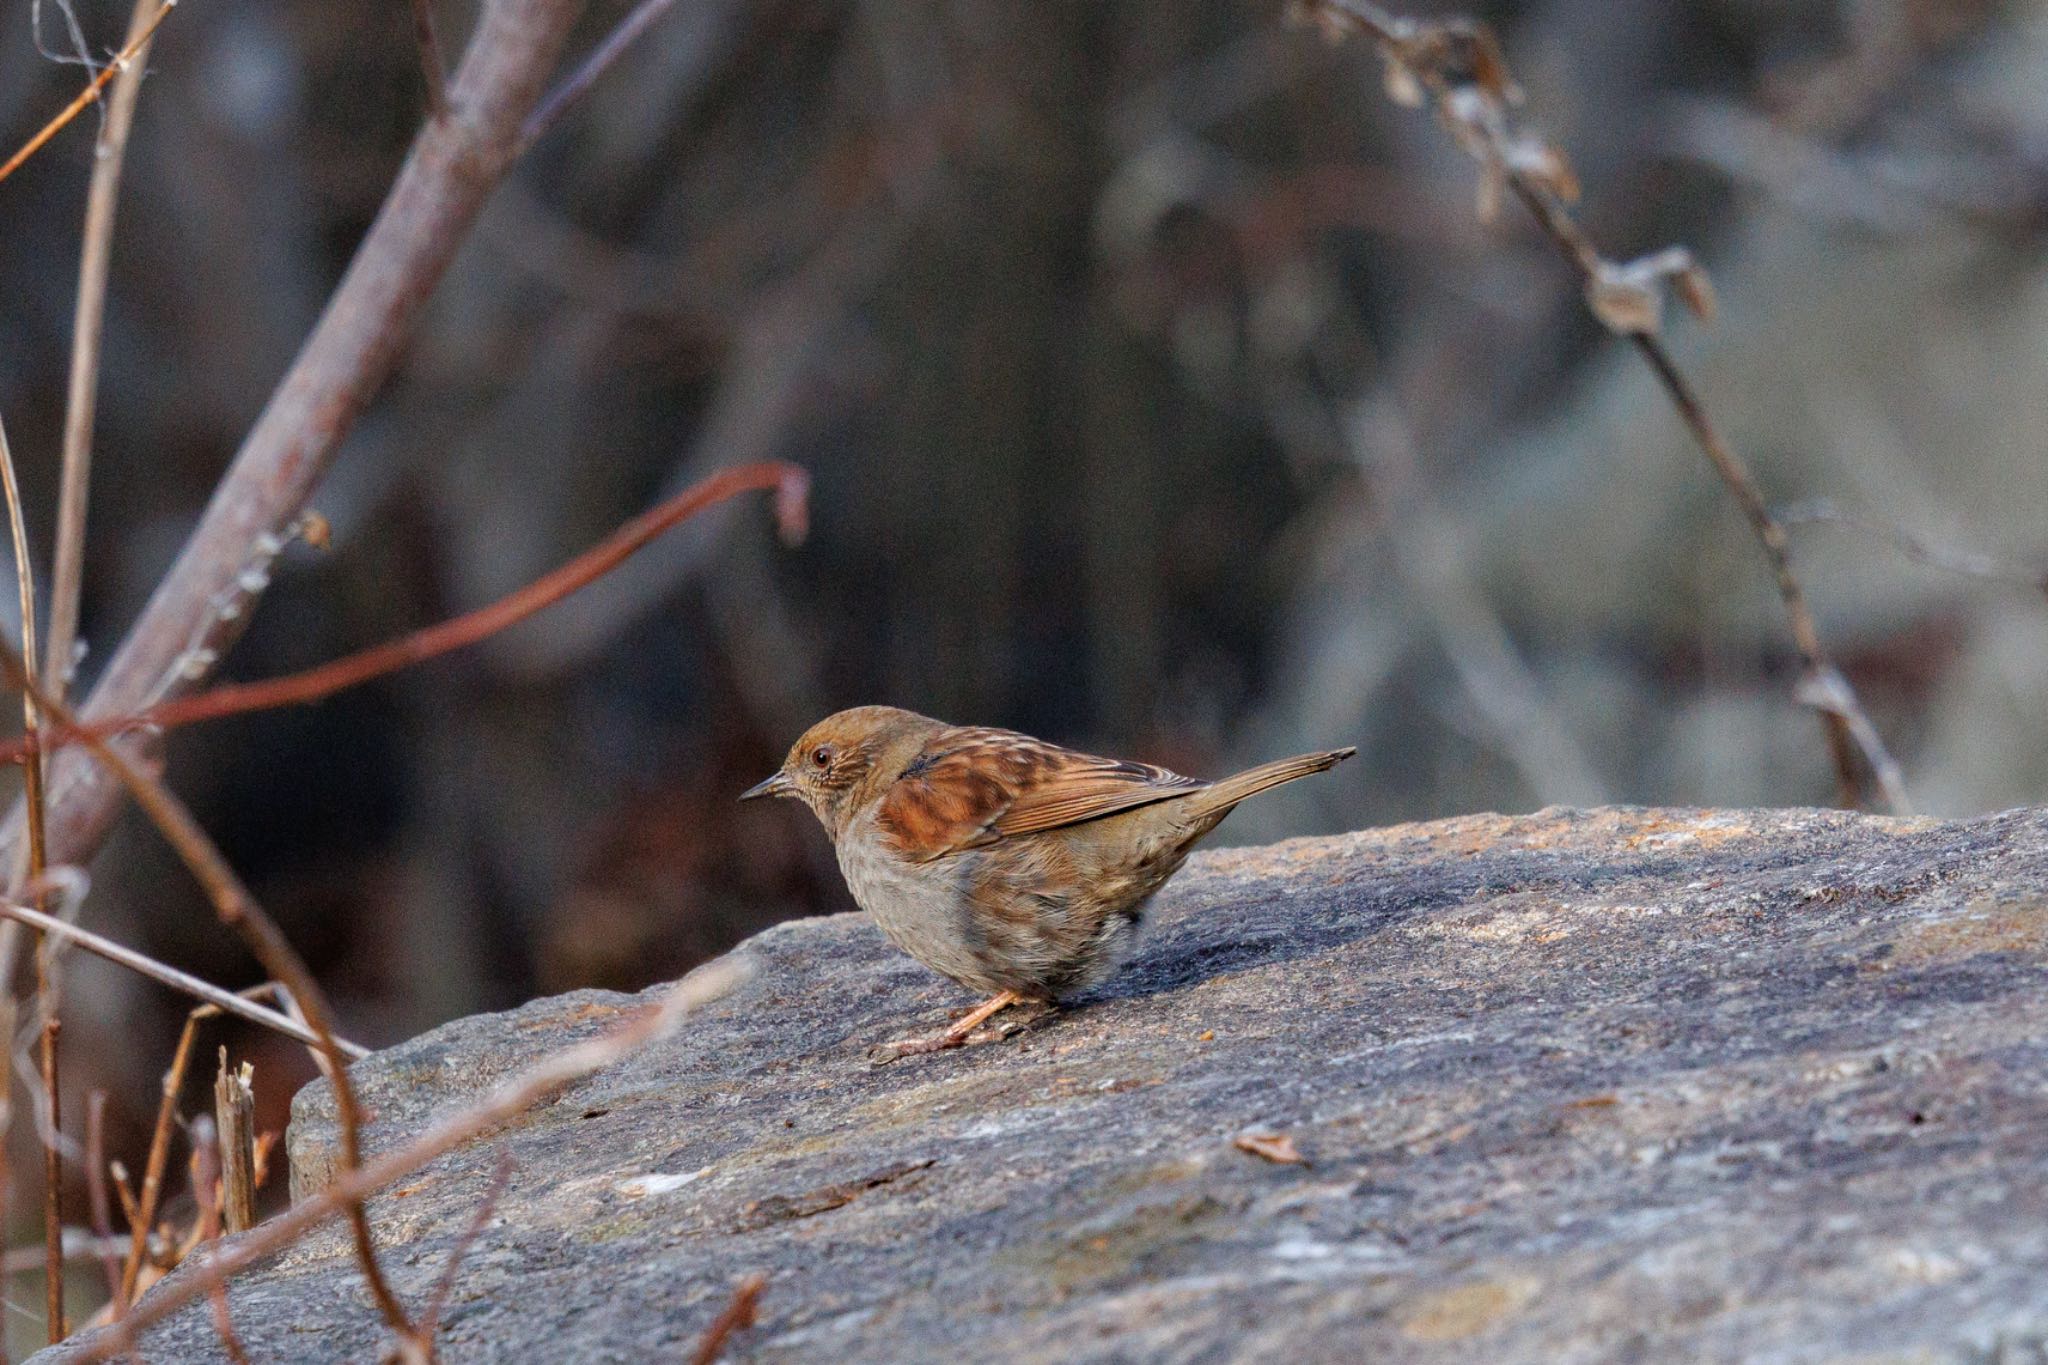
{"type": "Point", "coordinates": [919, 907]}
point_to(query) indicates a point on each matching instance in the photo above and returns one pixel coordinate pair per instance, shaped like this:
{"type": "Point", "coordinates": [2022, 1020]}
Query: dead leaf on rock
{"type": "Point", "coordinates": [1275, 1147]}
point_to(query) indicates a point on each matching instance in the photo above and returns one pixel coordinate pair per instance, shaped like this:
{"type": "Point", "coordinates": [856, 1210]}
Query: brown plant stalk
{"type": "Point", "coordinates": [738, 1315]}
{"type": "Point", "coordinates": [444, 1286]}
{"type": "Point", "coordinates": [141, 1210]}
{"type": "Point", "coordinates": [205, 1172]}
{"type": "Point", "coordinates": [88, 322]}
{"type": "Point", "coordinates": [46, 992]}
{"type": "Point", "coordinates": [1457, 65]}
{"type": "Point", "coordinates": [510, 1099]}
{"type": "Point", "coordinates": [96, 1195]}
{"type": "Point", "coordinates": [92, 92]}
{"type": "Point", "coordinates": [142, 1221]}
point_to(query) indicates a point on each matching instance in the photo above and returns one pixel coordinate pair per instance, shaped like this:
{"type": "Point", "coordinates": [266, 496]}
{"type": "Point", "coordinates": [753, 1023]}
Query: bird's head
{"type": "Point", "coordinates": [842, 764]}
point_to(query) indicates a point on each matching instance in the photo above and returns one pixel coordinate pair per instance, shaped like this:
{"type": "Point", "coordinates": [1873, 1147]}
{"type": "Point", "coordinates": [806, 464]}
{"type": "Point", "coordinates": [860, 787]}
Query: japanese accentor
{"type": "Point", "coordinates": [1015, 867]}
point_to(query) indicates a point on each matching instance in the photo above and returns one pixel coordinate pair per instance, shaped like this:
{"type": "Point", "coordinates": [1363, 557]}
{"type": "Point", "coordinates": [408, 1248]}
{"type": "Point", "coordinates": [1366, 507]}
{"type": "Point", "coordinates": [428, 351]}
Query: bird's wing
{"type": "Point", "coordinates": [973, 786]}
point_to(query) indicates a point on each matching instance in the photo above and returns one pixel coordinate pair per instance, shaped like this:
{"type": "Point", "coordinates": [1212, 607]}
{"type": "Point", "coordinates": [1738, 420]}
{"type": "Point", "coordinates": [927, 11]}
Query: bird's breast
{"type": "Point", "coordinates": [919, 907]}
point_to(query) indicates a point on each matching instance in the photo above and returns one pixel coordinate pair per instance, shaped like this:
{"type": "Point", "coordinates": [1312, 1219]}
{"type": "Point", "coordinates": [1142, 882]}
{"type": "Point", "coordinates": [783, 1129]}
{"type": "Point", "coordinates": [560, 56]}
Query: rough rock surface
{"type": "Point", "coordinates": [1621, 1084]}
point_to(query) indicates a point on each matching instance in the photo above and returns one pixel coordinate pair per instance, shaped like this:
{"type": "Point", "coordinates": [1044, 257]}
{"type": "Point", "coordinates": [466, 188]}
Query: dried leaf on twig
{"type": "Point", "coordinates": [1533, 158]}
{"type": "Point", "coordinates": [1629, 298]}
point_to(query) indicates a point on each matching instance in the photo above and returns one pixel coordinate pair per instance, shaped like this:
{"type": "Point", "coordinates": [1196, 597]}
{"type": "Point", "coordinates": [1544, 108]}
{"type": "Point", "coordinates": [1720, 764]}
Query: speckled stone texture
{"type": "Point", "coordinates": [1608, 1085]}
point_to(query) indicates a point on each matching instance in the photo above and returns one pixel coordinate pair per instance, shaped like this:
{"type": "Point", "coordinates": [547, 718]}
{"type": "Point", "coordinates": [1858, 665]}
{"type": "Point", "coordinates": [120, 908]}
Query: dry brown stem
{"type": "Point", "coordinates": [430, 1318]}
{"type": "Point", "coordinates": [142, 1220]}
{"type": "Point", "coordinates": [93, 90]}
{"type": "Point", "coordinates": [206, 1189]}
{"type": "Point", "coordinates": [789, 483]}
{"type": "Point", "coordinates": [507, 1101]}
{"type": "Point", "coordinates": [1458, 67]}
{"type": "Point", "coordinates": [737, 1316]}
{"type": "Point", "coordinates": [96, 1195]}
{"type": "Point", "coordinates": [234, 1116]}
{"type": "Point", "coordinates": [88, 321]}
{"type": "Point", "coordinates": [46, 990]}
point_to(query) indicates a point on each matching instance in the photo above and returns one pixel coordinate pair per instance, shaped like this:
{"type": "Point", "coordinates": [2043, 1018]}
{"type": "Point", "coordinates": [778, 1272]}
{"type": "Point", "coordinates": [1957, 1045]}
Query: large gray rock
{"type": "Point", "coordinates": [1621, 1084]}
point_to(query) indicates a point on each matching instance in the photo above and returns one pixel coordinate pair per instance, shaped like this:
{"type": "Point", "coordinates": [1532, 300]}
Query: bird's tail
{"type": "Point", "coordinates": [1222, 795]}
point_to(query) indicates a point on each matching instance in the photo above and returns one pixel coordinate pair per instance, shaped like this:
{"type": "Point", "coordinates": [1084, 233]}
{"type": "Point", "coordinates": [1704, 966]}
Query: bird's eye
{"type": "Point", "coordinates": [822, 755]}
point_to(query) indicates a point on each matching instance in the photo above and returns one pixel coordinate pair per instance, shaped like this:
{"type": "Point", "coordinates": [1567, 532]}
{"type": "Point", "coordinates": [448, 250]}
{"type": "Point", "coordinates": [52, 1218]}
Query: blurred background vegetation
{"type": "Point", "coordinates": [1163, 394]}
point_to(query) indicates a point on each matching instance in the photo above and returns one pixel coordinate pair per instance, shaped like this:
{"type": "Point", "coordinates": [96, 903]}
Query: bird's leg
{"type": "Point", "coordinates": [982, 1013]}
{"type": "Point", "coordinates": [957, 1035]}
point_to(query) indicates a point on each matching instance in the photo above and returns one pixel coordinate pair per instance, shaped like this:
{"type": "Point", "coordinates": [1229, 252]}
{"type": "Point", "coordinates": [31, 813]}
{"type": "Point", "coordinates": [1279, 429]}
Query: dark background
{"type": "Point", "coordinates": [1163, 395]}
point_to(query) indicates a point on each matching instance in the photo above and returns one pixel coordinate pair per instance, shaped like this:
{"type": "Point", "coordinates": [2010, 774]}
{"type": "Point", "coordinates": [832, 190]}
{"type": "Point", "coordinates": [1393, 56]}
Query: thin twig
{"type": "Point", "coordinates": [437, 1302]}
{"type": "Point", "coordinates": [1848, 728]}
{"type": "Point", "coordinates": [737, 1316]}
{"type": "Point", "coordinates": [79, 1245]}
{"type": "Point", "coordinates": [1968, 563]}
{"type": "Point", "coordinates": [559, 100]}
{"type": "Point", "coordinates": [510, 1099]}
{"type": "Point", "coordinates": [46, 989]}
{"type": "Point", "coordinates": [433, 66]}
{"type": "Point", "coordinates": [240, 911]}
{"type": "Point", "coordinates": [91, 92]}
{"type": "Point", "coordinates": [96, 1194]}
{"type": "Point", "coordinates": [226, 1001]}
{"type": "Point", "coordinates": [143, 1221]}
{"type": "Point", "coordinates": [88, 323]}
{"type": "Point", "coordinates": [1458, 65]}
{"type": "Point", "coordinates": [789, 483]}
{"type": "Point", "coordinates": [206, 1189]}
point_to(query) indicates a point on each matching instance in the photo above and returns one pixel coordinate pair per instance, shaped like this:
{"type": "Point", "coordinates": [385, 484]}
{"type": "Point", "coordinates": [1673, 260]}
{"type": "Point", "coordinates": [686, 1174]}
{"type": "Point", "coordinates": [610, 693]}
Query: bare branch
{"type": "Point", "coordinates": [789, 483]}
{"type": "Point", "coordinates": [430, 1320]}
{"type": "Point", "coordinates": [141, 1223]}
{"type": "Point", "coordinates": [46, 993]}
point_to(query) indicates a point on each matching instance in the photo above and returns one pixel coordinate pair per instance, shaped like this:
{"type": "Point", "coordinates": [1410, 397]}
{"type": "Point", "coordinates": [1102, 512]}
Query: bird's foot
{"type": "Point", "coordinates": [967, 1031]}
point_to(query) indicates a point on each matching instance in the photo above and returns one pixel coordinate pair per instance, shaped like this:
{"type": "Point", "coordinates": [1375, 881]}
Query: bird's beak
{"type": "Point", "coordinates": [778, 785]}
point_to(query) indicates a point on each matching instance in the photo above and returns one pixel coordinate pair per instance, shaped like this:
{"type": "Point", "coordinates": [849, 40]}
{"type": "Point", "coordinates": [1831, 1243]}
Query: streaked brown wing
{"type": "Point", "coordinates": [974, 786]}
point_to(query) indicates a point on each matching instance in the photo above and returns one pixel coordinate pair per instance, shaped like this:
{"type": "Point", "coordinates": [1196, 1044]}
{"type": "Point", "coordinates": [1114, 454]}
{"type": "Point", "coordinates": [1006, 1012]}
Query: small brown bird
{"type": "Point", "coordinates": [1015, 867]}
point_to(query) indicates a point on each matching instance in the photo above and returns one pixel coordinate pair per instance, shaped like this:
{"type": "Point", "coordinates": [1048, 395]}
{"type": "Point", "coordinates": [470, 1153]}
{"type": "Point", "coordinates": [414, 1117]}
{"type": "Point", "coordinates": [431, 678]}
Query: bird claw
{"type": "Point", "coordinates": [884, 1053]}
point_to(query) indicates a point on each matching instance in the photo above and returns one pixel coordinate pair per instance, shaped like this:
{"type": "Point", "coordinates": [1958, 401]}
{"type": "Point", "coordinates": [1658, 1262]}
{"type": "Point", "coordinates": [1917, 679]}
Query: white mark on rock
{"type": "Point", "coordinates": [660, 1182]}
